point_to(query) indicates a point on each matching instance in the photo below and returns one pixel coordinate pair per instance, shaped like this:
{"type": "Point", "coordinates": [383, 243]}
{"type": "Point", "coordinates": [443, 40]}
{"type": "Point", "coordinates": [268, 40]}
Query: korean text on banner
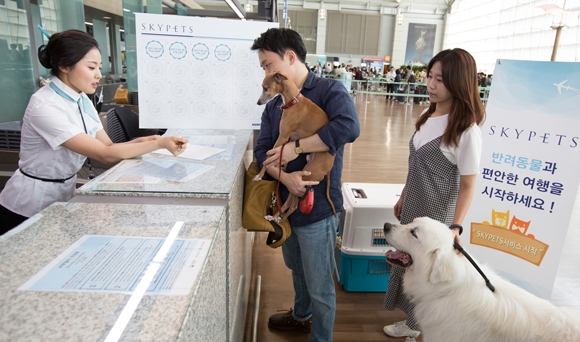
{"type": "Point", "coordinates": [529, 176]}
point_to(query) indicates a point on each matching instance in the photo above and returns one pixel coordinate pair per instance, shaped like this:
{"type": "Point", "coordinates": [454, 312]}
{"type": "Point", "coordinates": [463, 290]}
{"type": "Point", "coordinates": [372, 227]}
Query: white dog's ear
{"type": "Point", "coordinates": [441, 267]}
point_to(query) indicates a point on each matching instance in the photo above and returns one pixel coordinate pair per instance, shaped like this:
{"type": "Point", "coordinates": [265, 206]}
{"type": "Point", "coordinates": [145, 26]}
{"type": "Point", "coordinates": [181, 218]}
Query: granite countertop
{"type": "Point", "coordinates": [215, 181]}
{"type": "Point", "coordinates": [89, 316]}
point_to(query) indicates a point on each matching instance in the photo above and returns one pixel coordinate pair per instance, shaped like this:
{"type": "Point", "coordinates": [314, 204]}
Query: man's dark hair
{"type": "Point", "coordinates": [280, 40]}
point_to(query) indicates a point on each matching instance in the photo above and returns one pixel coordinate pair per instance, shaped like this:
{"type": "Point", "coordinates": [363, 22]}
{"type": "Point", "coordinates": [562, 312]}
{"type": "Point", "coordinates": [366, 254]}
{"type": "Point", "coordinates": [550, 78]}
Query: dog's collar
{"type": "Point", "coordinates": [291, 103]}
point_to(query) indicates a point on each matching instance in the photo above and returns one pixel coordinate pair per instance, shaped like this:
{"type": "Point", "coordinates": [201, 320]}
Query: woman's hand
{"type": "Point", "coordinates": [397, 208]}
{"type": "Point", "coordinates": [147, 138]}
{"type": "Point", "coordinates": [175, 145]}
{"type": "Point", "coordinates": [457, 238]}
{"type": "Point", "coordinates": [456, 235]}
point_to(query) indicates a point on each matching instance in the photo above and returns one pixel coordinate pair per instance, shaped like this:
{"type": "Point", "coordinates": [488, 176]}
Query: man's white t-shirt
{"type": "Point", "coordinates": [466, 155]}
{"type": "Point", "coordinates": [49, 121]}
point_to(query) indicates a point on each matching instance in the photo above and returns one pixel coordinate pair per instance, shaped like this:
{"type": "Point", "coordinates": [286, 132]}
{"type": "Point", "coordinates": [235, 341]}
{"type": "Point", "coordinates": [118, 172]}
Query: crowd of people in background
{"type": "Point", "coordinates": [415, 79]}
{"type": "Point", "coordinates": [484, 80]}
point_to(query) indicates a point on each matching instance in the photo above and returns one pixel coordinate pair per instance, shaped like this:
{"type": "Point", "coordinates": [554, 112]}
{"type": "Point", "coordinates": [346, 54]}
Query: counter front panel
{"type": "Point", "coordinates": [197, 313]}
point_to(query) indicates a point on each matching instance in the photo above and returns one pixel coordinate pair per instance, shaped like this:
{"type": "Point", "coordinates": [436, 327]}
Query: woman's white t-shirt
{"type": "Point", "coordinates": [49, 121]}
{"type": "Point", "coordinates": [466, 155]}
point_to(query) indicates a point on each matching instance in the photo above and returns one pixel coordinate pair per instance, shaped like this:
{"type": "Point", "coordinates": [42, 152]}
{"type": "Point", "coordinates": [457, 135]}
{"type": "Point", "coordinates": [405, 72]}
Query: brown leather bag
{"type": "Point", "coordinates": [259, 201]}
{"type": "Point", "coordinates": [122, 95]}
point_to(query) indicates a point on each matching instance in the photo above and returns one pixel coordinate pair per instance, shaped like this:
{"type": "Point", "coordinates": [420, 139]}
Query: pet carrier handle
{"type": "Point", "coordinates": [359, 193]}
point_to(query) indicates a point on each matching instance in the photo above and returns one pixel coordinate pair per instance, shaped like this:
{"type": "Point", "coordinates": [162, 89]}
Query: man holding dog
{"type": "Point", "coordinates": [309, 251]}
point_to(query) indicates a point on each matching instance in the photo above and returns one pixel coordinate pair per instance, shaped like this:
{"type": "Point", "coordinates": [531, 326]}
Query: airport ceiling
{"type": "Point", "coordinates": [362, 6]}
{"type": "Point", "coordinates": [376, 7]}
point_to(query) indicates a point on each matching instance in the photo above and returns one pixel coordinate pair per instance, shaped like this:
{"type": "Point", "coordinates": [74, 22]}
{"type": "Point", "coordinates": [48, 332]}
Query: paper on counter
{"type": "Point", "coordinates": [85, 266]}
{"type": "Point", "coordinates": [153, 170]}
{"type": "Point", "coordinates": [197, 152]}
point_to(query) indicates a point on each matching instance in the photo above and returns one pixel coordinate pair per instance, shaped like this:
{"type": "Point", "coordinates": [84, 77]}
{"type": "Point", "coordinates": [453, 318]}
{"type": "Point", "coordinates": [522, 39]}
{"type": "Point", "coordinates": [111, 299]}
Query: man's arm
{"type": "Point", "coordinates": [344, 126]}
{"type": "Point", "coordinates": [265, 141]}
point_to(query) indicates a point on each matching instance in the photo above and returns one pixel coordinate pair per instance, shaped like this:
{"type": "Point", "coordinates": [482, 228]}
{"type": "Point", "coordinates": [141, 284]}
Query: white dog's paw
{"type": "Point", "coordinates": [257, 178]}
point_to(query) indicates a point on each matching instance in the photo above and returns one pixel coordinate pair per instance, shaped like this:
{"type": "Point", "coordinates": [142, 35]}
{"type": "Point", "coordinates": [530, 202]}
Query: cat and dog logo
{"type": "Point", "coordinates": [510, 237]}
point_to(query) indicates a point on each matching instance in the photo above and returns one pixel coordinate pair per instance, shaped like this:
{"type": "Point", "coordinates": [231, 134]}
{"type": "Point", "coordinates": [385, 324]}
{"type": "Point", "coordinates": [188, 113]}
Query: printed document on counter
{"type": "Point", "coordinates": [117, 263]}
{"type": "Point", "coordinates": [152, 169]}
{"type": "Point", "coordinates": [197, 152]}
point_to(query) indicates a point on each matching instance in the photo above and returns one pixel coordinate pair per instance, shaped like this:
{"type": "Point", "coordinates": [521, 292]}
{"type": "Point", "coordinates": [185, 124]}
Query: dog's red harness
{"type": "Point", "coordinates": [291, 103]}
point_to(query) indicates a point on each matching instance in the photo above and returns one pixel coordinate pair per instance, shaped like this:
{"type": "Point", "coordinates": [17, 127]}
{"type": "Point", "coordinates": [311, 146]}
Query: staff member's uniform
{"type": "Point", "coordinates": [49, 120]}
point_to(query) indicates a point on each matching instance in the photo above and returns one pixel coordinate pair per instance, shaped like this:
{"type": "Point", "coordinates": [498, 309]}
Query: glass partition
{"type": "Point", "coordinates": [16, 76]}
{"type": "Point", "coordinates": [19, 41]}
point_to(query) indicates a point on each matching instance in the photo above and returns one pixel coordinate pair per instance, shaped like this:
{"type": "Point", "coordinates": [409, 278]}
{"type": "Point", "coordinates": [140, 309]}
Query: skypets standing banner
{"type": "Point", "coordinates": [529, 177]}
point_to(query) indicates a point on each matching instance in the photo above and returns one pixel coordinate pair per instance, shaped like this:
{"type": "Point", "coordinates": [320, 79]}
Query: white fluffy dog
{"type": "Point", "coordinates": [452, 301]}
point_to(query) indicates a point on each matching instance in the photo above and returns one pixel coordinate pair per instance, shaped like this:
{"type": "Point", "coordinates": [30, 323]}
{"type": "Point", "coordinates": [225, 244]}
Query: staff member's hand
{"type": "Point", "coordinates": [175, 145]}
{"type": "Point", "coordinates": [147, 138]}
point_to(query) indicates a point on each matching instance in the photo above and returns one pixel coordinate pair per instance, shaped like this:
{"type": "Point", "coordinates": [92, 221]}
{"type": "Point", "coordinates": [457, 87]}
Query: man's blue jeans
{"type": "Point", "coordinates": [309, 253]}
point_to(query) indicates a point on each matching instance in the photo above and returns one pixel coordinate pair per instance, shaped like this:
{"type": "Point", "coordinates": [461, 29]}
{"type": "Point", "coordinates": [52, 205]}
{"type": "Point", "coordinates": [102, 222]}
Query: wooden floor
{"type": "Point", "coordinates": [379, 155]}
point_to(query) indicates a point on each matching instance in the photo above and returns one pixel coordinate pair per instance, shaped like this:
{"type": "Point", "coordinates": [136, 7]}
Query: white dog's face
{"type": "Point", "coordinates": [422, 242]}
{"type": "Point", "coordinates": [452, 302]}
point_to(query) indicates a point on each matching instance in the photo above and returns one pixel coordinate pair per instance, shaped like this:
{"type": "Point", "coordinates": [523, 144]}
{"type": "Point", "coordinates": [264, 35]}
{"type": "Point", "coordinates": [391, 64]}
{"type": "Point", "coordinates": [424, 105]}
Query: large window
{"type": "Point", "coordinates": [492, 29]}
{"type": "Point", "coordinates": [303, 22]}
{"type": "Point", "coordinates": [18, 60]}
{"type": "Point", "coordinates": [352, 33]}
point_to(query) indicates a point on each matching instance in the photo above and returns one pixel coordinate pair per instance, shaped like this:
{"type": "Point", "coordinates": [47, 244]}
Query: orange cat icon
{"type": "Point", "coordinates": [519, 226]}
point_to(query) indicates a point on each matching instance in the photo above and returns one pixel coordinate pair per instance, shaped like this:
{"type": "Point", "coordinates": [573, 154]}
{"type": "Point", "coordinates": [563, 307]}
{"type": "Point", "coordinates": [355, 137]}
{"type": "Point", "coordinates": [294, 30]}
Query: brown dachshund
{"type": "Point", "coordinates": [301, 119]}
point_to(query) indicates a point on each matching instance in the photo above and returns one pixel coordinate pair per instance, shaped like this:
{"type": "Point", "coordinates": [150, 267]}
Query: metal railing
{"type": "Point", "coordinates": [380, 86]}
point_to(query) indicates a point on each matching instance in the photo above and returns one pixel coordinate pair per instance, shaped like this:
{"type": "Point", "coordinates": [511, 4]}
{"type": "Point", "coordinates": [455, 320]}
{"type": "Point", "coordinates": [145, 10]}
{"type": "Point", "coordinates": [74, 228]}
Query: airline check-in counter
{"type": "Point", "coordinates": [165, 184]}
{"type": "Point", "coordinates": [115, 272]}
{"type": "Point", "coordinates": [216, 180]}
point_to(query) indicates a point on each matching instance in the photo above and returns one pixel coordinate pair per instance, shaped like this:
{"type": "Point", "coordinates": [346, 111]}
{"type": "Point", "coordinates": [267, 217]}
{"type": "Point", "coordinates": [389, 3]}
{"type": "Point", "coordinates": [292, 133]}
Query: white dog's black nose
{"type": "Point", "coordinates": [387, 227]}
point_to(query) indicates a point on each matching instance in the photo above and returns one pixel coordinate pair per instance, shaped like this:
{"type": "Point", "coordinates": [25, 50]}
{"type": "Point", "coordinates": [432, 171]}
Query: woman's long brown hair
{"type": "Point", "coordinates": [460, 79]}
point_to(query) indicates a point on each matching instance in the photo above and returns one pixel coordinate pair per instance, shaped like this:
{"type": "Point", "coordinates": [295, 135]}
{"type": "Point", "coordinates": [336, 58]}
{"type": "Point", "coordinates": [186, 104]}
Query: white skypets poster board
{"type": "Point", "coordinates": [198, 72]}
{"type": "Point", "coordinates": [525, 193]}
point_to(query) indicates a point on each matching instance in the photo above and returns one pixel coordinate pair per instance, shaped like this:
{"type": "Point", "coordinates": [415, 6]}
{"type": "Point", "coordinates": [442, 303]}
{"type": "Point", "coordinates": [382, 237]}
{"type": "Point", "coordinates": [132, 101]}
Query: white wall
{"type": "Point", "coordinates": [495, 29]}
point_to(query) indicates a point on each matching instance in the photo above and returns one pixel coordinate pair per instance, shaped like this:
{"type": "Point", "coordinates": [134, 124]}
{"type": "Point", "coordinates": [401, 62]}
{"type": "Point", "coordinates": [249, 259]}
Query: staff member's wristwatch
{"type": "Point", "coordinates": [298, 148]}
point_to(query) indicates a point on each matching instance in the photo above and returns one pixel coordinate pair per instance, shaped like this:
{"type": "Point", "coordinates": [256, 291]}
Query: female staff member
{"type": "Point", "coordinates": [61, 128]}
{"type": "Point", "coordinates": [443, 162]}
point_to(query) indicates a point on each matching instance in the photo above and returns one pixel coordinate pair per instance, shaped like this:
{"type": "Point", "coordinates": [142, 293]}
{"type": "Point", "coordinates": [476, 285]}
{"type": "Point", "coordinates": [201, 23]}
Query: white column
{"type": "Point", "coordinates": [321, 34]}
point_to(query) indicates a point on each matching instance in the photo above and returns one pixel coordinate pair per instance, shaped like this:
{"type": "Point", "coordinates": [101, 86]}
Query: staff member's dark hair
{"type": "Point", "coordinates": [65, 49]}
{"type": "Point", "coordinates": [280, 40]}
